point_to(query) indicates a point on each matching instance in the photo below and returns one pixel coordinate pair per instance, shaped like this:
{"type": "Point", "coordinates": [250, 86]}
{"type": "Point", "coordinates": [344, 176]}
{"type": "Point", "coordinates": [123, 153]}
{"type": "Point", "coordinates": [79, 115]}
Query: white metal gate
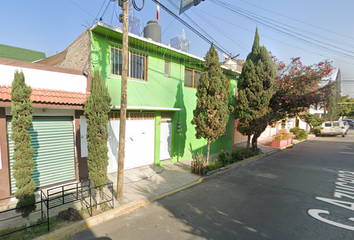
{"type": "Point", "coordinates": [139, 140]}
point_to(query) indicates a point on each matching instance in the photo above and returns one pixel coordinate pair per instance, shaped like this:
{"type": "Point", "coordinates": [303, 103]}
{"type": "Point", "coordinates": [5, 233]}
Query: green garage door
{"type": "Point", "coordinates": [53, 141]}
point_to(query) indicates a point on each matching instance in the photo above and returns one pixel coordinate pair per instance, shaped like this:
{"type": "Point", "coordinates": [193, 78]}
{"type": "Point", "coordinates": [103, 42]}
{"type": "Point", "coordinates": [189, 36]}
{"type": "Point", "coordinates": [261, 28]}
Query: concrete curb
{"type": "Point", "coordinates": [236, 165]}
{"type": "Point", "coordinates": [71, 230]}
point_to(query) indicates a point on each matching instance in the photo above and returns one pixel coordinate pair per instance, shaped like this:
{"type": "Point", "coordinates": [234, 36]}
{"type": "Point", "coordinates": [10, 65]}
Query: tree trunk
{"type": "Point", "coordinates": [28, 223]}
{"type": "Point", "coordinates": [254, 141]}
{"type": "Point", "coordinates": [208, 151]}
{"type": "Point", "coordinates": [248, 141]}
{"type": "Point", "coordinates": [98, 199]}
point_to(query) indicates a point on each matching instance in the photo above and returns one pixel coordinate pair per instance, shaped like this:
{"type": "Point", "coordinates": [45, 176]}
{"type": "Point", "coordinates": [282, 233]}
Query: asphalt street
{"type": "Point", "coordinates": [302, 193]}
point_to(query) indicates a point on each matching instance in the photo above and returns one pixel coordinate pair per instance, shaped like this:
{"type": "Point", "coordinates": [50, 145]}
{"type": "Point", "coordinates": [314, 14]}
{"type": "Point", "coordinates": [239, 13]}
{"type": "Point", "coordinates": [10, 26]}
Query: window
{"type": "Point", "coordinates": [136, 64]}
{"type": "Point", "coordinates": [191, 78]}
{"type": "Point", "coordinates": [167, 69]}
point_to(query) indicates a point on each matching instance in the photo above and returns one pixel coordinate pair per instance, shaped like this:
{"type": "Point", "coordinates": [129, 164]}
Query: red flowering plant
{"type": "Point", "coordinates": [297, 87]}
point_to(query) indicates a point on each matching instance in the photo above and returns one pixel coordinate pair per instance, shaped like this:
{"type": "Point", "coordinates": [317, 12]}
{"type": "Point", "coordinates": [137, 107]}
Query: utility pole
{"type": "Point", "coordinates": [123, 106]}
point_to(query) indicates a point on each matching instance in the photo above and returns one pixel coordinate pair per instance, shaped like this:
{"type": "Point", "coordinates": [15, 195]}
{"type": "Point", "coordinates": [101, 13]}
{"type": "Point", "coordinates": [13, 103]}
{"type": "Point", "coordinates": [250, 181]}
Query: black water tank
{"type": "Point", "coordinates": [153, 30]}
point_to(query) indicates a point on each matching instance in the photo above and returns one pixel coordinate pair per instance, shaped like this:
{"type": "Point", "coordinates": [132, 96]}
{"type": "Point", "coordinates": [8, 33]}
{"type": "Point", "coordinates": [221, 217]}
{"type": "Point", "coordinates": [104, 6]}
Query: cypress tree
{"type": "Point", "coordinates": [212, 112]}
{"type": "Point", "coordinates": [255, 89]}
{"type": "Point", "coordinates": [96, 114]}
{"type": "Point", "coordinates": [21, 111]}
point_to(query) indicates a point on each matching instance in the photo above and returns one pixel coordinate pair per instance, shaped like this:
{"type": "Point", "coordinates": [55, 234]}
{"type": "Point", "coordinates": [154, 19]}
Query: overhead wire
{"type": "Point", "coordinates": [99, 12]}
{"type": "Point", "coordinates": [276, 40]}
{"type": "Point", "coordinates": [82, 9]}
{"type": "Point", "coordinates": [284, 31]}
{"type": "Point", "coordinates": [297, 20]}
{"type": "Point", "coordinates": [278, 24]}
{"type": "Point", "coordinates": [198, 26]}
{"type": "Point", "coordinates": [105, 10]}
{"type": "Point", "coordinates": [220, 30]}
{"type": "Point", "coordinates": [188, 26]}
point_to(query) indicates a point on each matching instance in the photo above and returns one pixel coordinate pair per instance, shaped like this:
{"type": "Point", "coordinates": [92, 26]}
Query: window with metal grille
{"type": "Point", "coordinates": [192, 78]}
{"type": "Point", "coordinates": [136, 64]}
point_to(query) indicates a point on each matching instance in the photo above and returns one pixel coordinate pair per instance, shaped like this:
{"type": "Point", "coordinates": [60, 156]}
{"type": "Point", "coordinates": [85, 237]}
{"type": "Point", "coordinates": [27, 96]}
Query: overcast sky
{"type": "Point", "coordinates": [311, 29]}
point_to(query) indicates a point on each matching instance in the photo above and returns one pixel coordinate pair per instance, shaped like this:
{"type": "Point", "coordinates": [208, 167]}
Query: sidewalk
{"type": "Point", "coordinates": [143, 186]}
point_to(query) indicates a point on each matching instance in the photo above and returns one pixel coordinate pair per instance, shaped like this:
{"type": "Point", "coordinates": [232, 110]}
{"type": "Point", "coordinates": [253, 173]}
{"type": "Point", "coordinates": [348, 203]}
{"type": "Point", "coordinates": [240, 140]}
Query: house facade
{"type": "Point", "coordinates": [59, 96]}
{"type": "Point", "coordinates": [161, 95]}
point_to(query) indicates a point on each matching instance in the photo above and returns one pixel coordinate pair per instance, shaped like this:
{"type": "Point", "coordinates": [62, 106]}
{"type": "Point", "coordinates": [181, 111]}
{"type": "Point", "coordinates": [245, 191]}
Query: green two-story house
{"type": "Point", "coordinates": [161, 95]}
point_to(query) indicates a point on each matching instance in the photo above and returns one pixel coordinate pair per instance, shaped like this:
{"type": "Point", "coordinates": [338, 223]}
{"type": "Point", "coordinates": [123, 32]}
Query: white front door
{"type": "Point", "coordinates": [166, 139]}
{"type": "Point", "coordinates": [139, 141]}
{"type": "Point", "coordinates": [113, 145]}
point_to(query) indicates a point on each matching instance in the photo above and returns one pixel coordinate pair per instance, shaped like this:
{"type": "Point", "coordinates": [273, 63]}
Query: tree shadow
{"type": "Point", "coordinates": [180, 126]}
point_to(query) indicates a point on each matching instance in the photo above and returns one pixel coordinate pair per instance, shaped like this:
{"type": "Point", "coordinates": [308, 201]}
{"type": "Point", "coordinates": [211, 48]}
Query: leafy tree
{"type": "Point", "coordinates": [297, 87]}
{"type": "Point", "coordinates": [21, 111]}
{"type": "Point", "coordinates": [311, 119]}
{"type": "Point", "coordinates": [347, 106]}
{"type": "Point", "coordinates": [255, 88]}
{"type": "Point", "coordinates": [96, 114]}
{"type": "Point", "coordinates": [332, 106]}
{"type": "Point", "coordinates": [212, 112]}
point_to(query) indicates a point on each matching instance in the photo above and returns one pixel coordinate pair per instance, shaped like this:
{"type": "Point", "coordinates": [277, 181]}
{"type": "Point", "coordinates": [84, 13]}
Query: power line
{"type": "Point", "coordinates": [187, 25]}
{"type": "Point", "coordinates": [195, 24]}
{"type": "Point", "coordinates": [283, 30]}
{"type": "Point", "coordinates": [220, 30]}
{"type": "Point", "coordinates": [83, 10]}
{"type": "Point", "coordinates": [294, 19]}
{"type": "Point", "coordinates": [276, 40]}
{"type": "Point", "coordinates": [99, 11]}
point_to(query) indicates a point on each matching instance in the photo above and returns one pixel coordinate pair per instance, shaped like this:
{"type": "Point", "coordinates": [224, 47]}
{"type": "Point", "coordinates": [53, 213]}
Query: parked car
{"type": "Point", "coordinates": [335, 128]}
{"type": "Point", "coordinates": [350, 121]}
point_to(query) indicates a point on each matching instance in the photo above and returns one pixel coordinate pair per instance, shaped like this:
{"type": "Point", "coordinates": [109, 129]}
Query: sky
{"type": "Point", "coordinates": [311, 29]}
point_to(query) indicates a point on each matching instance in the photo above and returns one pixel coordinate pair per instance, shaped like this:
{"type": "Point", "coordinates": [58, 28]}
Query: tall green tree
{"type": "Point", "coordinates": [21, 111]}
{"type": "Point", "coordinates": [212, 112]}
{"type": "Point", "coordinates": [255, 89]}
{"type": "Point", "coordinates": [347, 106]}
{"type": "Point", "coordinates": [334, 98]}
{"type": "Point", "coordinates": [96, 114]}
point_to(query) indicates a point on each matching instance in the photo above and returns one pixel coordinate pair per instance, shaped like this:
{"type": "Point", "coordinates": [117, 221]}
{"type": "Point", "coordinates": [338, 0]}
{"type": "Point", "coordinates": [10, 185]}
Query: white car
{"type": "Point", "coordinates": [334, 128]}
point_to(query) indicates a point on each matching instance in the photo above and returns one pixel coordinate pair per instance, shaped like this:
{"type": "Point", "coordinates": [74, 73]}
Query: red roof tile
{"type": "Point", "coordinates": [48, 96]}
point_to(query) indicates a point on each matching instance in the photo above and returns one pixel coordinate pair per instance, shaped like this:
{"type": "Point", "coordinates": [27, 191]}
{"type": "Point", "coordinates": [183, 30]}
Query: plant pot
{"type": "Point", "coordinates": [281, 143]}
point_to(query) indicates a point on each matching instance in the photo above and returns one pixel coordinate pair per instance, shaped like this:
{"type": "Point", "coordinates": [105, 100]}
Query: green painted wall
{"type": "Point", "coordinates": [163, 92]}
{"type": "Point", "coordinates": [157, 137]}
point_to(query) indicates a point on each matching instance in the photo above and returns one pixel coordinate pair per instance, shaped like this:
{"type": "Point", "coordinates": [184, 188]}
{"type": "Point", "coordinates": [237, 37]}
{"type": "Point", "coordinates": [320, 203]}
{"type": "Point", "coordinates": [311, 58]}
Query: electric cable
{"type": "Point", "coordinates": [285, 31]}
{"type": "Point", "coordinates": [278, 24]}
{"type": "Point", "coordinates": [294, 19]}
{"type": "Point", "coordinates": [84, 10]}
{"type": "Point", "coordinates": [197, 25]}
{"type": "Point", "coordinates": [276, 40]}
{"type": "Point", "coordinates": [98, 12]}
{"type": "Point", "coordinates": [187, 25]}
{"type": "Point", "coordinates": [105, 11]}
{"type": "Point", "coordinates": [136, 7]}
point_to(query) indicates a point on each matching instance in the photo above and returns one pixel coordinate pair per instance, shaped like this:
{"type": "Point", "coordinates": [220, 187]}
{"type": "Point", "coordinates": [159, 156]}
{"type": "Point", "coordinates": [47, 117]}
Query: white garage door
{"type": "Point", "coordinates": [139, 140]}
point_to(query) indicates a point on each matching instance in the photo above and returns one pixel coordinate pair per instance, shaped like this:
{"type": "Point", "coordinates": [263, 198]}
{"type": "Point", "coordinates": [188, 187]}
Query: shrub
{"type": "Point", "coordinates": [198, 163]}
{"type": "Point", "coordinates": [316, 131]}
{"type": "Point", "coordinates": [282, 136]}
{"type": "Point", "coordinates": [214, 165]}
{"type": "Point", "coordinates": [236, 154]}
{"type": "Point", "coordinates": [300, 134]}
{"type": "Point", "coordinates": [222, 158]}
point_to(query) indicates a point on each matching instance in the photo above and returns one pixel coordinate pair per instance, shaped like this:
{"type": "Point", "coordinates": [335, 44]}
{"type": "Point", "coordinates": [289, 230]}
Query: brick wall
{"type": "Point", "coordinates": [78, 56]}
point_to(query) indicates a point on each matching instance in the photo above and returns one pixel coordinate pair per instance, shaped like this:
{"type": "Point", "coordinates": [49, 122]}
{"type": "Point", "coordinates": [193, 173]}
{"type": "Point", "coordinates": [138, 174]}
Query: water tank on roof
{"type": "Point", "coordinates": [153, 30]}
